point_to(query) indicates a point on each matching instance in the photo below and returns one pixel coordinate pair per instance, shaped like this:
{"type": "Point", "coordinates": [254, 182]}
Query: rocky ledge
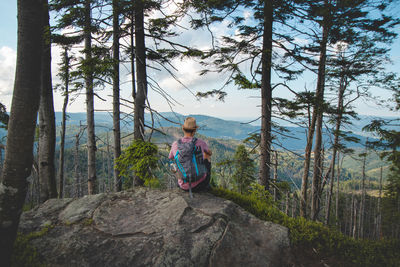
{"type": "Point", "coordinates": [147, 227]}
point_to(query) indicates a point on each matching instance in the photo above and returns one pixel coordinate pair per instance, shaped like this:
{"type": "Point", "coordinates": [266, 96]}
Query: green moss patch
{"type": "Point", "coordinates": [23, 253]}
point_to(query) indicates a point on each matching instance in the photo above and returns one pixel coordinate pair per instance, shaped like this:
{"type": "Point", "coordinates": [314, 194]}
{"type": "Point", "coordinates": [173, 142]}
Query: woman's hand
{"type": "Point", "coordinates": [207, 155]}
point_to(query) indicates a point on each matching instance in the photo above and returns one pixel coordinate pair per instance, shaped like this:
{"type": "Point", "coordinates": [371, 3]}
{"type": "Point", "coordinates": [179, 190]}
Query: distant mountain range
{"type": "Point", "coordinates": [294, 138]}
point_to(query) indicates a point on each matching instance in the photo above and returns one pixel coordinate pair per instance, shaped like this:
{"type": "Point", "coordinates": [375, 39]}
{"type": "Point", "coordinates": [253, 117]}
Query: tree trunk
{"type": "Point", "coordinates": [379, 215]}
{"type": "Point", "coordinates": [307, 160]}
{"type": "Point", "coordinates": [330, 192]}
{"type": "Point", "coordinates": [64, 119]}
{"type": "Point", "coordinates": [275, 172]}
{"type": "Point", "coordinates": [141, 94]}
{"type": "Point", "coordinates": [47, 129]}
{"type": "Point", "coordinates": [106, 179]}
{"type": "Point", "coordinates": [294, 203]}
{"type": "Point", "coordinates": [141, 75]}
{"type": "Point", "coordinates": [266, 97]}
{"type": "Point", "coordinates": [319, 123]}
{"type": "Point", "coordinates": [31, 188]}
{"type": "Point", "coordinates": [287, 204]}
{"type": "Point", "coordinates": [76, 167]}
{"type": "Point", "coordinates": [116, 104]}
{"type": "Point", "coordinates": [133, 54]}
{"type": "Point", "coordinates": [339, 117]}
{"type": "Point", "coordinates": [35, 182]}
{"type": "Point", "coordinates": [351, 215]}
{"type": "Point", "coordinates": [91, 139]}
{"type": "Point", "coordinates": [1, 159]}
{"type": "Point", "coordinates": [363, 193]}
{"type": "Point", "coordinates": [370, 217]}
{"type": "Point", "coordinates": [337, 188]}
{"type": "Point", "coordinates": [355, 204]}
{"type": "Point", "coordinates": [22, 123]}
{"type": "Point", "coordinates": [109, 182]}
{"type": "Point", "coordinates": [359, 230]}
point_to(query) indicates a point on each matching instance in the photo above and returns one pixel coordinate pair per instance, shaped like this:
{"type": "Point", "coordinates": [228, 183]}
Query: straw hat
{"type": "Point", "coordinates": [190, 124]}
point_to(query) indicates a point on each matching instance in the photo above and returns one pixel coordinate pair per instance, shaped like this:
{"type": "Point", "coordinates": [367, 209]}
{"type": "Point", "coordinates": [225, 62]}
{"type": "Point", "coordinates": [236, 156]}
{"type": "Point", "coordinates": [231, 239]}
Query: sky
{"type": "Point", "coordinates": [239, 104]}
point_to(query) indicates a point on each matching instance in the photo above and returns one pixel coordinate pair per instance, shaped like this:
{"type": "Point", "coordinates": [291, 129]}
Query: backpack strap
{"type": "Point", "coordinates": [194, 140]}
{"type": "Point", "coordinates": [178, 164]}
{"type": "Point", "coordinates": [193, 147]}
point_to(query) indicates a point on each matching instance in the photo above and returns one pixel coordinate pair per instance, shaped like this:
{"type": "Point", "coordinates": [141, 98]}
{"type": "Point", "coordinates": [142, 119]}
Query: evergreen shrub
{"type": "Point", "coordinates": [138, 159]}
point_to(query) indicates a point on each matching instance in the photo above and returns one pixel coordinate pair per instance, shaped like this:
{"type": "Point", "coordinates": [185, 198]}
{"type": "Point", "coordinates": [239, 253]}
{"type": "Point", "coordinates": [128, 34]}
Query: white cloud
{"type": "Point", "coordinates": [56, 59]}
{"type": "Point", "coordinates": [8, 58]}
{"type": "Point", "coordinates": [247, 14]}
{"type": "Point", "coordinates": [188, 76]}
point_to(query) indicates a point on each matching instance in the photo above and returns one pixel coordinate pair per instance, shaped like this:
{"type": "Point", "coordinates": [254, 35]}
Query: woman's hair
{"type": "Point", "coordinates": [189, 130]}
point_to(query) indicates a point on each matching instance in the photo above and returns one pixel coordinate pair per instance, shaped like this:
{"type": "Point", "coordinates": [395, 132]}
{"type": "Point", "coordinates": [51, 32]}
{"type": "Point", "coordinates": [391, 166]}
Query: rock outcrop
{"type": "Point", "coordinates": [154, 228]}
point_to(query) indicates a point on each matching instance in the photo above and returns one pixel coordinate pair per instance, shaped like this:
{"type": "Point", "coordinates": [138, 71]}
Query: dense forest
{"type": "Point", "coordinates": [343, 180]}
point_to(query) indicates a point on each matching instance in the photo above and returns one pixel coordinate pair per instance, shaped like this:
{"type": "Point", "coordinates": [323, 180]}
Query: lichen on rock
{"type": "Point", "coordinates": [7, 189]}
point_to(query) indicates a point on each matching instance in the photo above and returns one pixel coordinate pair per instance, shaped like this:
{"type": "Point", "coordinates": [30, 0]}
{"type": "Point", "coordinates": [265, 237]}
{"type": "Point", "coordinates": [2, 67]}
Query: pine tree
{"type": "Point", "coordinates": [65, 77]}
{"type": "Point", "coordinates": [47, 123]}
{"type": "Point", "coordinates": [140, 52]}
{"type": "Point", "coordinates": [92, 69]}
{"type": "Point", "coordinates": [254, 43]}
{"type": "Point", "coordinates": [116, 89]}
{"type": "Point", "coordinates": [244, 169]}
{"type": "Point", "coordinates": [4, 117]}
{"type": "Point", "coordinates": [318, 109]}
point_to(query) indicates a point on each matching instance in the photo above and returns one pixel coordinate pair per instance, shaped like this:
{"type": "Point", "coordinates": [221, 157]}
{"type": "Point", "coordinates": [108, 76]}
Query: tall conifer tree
{"type": "Point", "coordinates": [141, 73]}
{"type": "Point", "coordinates": [91, 69]}
{"type": "Point", "coordinates": [116, 95]}
{"type": "Point", "coordinates": [65, 77]}
{"type": "Point", "coordinates": [254, 43]}
{"type": "Point", "coordinates": [47, 123]}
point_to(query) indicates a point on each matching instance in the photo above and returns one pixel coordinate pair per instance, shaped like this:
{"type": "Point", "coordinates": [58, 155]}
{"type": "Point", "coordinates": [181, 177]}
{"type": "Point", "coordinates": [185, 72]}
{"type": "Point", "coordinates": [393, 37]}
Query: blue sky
{"type": "Point", "coordinates": [238, 104]}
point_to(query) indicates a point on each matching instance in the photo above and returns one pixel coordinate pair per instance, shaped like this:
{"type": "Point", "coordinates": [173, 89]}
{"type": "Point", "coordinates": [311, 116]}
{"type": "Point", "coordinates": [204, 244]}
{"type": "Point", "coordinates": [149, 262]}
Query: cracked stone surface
{"type": "Point", "coordinates": [148, 227]}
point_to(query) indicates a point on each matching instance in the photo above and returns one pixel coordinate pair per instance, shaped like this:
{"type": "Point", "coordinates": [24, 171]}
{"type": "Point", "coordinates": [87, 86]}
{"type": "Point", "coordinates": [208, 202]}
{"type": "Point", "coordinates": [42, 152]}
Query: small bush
{"type": "Point", "coordinates": [152, 183]}
{"type": "Point", "coordinates": [138, 159]}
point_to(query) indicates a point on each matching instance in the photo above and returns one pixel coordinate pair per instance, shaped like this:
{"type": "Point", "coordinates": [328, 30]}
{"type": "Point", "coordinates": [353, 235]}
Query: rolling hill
{"type": "Point", "coordinates": [294, 138]}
